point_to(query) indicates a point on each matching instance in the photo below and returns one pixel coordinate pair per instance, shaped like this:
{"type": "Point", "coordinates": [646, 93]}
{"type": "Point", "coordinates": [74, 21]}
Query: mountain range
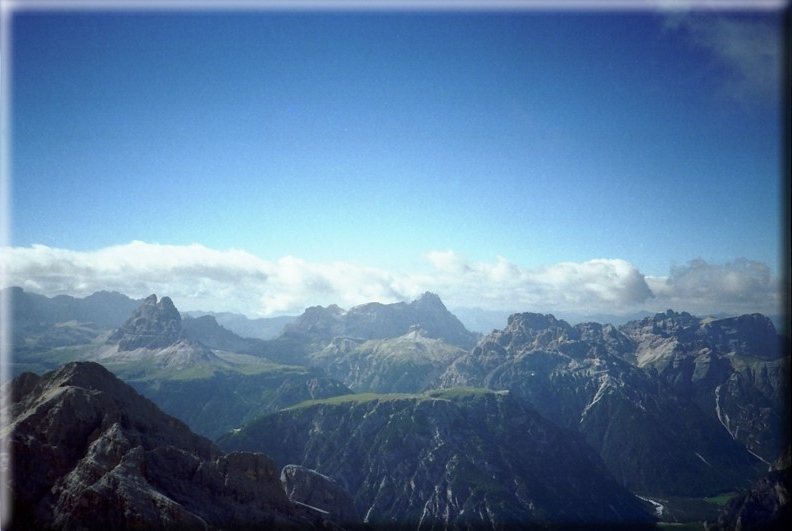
{"type": "Point", "coordinates": [418, 420]}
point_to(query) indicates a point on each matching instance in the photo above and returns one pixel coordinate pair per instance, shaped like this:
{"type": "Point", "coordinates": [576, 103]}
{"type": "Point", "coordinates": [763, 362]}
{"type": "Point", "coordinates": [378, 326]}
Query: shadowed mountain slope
{"type": "Point", "coordinates": [452, 459]}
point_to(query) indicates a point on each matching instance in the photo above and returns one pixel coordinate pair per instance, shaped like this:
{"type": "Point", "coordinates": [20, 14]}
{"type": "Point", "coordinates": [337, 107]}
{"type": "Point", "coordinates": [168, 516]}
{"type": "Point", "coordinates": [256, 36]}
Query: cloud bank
{"type": "Point", "coordinates": [199, 278]}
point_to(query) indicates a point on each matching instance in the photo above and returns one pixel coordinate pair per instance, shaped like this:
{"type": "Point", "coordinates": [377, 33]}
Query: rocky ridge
{"type": "Point", "coordinates": [88, 452]}
{"type": "Point", "coordinates": [154, 336]}
{"type": "Point", "coordinates": [206, 330]}
{"type": "Point", "coordinates": [735, 369]}
{"type": "Point", "coordinates": [380, 321]}
{"type": "Point", "coordinates": [585, 378]}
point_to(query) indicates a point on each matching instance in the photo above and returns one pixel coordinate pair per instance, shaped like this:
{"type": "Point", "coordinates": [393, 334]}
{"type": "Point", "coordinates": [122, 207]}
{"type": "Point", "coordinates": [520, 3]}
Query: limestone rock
{"type": "Point", "coordinates": [381, 321]}
{"type": "Point", "coordinates": [153, 325]}
{"type": "Point", "coordinates": [88, 452]}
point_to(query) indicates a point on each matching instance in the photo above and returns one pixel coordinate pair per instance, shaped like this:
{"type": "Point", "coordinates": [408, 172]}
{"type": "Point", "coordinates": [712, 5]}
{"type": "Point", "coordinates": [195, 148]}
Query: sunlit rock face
{"type": "Point", "coordinates": [447, 459]}
{"type": "Point", "coordinates": [735, 370]}
{"type": "Point", "coordinates": [381, 321]}
{"type": "Point", "coordinates": [153, 325]}
{"type": "Point", "coordinates": [155, 337]}
{"type": "Point", "coordinates": [88, 452]}
{"type": "Point", "coordinates": [659, 399]}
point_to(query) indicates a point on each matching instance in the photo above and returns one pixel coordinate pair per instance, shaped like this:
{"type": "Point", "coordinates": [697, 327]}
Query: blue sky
{"type": "Point", "coordinates": [476, 154]}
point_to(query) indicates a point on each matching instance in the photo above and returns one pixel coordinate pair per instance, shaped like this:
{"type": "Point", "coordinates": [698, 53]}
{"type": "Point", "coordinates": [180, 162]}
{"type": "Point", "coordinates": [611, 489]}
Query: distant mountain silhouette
{"type": "Point", "coordinates": [381, 321]}
{"type": "Point", "coordinates": [102, 308]}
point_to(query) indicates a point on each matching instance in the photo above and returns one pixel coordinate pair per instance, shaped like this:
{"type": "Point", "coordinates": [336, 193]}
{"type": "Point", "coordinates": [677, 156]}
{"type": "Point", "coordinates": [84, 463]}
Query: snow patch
{"type": "Point", "coordinates": [597, 396]}
{"type": "Point", "coordinates": [722, 416]}
{"type": "Point", "coordinates": [705, 461]}
{"type": "Point", "coordinates": [659, 507]}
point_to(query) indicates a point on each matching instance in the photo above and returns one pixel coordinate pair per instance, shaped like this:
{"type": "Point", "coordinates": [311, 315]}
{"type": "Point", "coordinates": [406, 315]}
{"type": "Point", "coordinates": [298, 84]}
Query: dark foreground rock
{"type": "Point", "coordinates": [308, 487]}
{"type": "Point", "coordinates": [765, 506]}
{"type": "Point", "coordinates": [88, 452]}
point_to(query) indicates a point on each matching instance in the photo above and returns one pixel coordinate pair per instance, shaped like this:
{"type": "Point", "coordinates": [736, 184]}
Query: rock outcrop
{"type": "Point", "coordinates": [88, 452]}
{"type": "Point", "coordinates": [154, 337]}
{"type": "Point", "coordinates": [656, 439]}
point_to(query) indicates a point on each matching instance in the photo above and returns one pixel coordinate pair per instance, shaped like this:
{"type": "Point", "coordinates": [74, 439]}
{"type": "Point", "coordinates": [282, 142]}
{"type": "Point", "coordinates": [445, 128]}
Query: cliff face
{"type": "Point", "coordinates": [154, 338]}
{"type": "Point", "coordinates": [153, 325]}
{"type": "Point", "coordinates": [657, 427]}
{"type": "Point", "coordinates": [88, 452]}
{"type": "Point", "coordinates": [449, 459]}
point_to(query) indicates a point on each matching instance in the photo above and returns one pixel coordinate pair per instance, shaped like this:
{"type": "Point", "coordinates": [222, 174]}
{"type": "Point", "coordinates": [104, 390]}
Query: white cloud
{"type": "Point", "coordinates": [742, 286]}
{"type": "Point", "coordinates": [197, 277]}
{"type": "Point", "coordinates": [748, 49]}
{"type": "Point", "coordinates": [593, 285]}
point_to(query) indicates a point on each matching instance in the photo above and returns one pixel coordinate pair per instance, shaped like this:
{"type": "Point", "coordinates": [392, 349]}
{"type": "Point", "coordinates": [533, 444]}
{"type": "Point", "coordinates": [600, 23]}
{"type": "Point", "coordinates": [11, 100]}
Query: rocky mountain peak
{"type": "Point", "coordinates": [536, 329]}
{"type": "Point", "coordinates": [153, 325]}
{"type": "Point", "coordinates": [429, 301]}
{"type": "Point", "coordinates": [376, 320]}
{"type": "Point", "coordinates": [670, 322]}
{"type": "Point", "coordinates": [317, 322]}
{"type": "Point", "coordinates": [751, 334]}
{"type": "Point", "coordinates": [535, 321]}
{"type": "Point", "coordinates": [91, 453]}
{"type": "Point", "coordinates": [86, 375]}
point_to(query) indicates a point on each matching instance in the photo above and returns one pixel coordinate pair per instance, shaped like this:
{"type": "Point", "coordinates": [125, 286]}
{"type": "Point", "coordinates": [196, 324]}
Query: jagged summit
{"type": "Point", "coordinates": [89, 452]}
{"type": "Point", "coordinates": [153, 325]}
{"type": "Point", "coordinates": [428, 301]}
{"type": "Point", "coordinates": [375, 320]}
{"type": "Point", "coordinates": [535, 321]}
{"type": "Point", "coordinates": [155, 332]}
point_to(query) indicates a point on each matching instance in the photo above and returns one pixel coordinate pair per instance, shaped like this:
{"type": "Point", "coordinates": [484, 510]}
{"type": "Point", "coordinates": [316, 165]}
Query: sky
{"type": "Point", "coordinates": [262, 161]}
